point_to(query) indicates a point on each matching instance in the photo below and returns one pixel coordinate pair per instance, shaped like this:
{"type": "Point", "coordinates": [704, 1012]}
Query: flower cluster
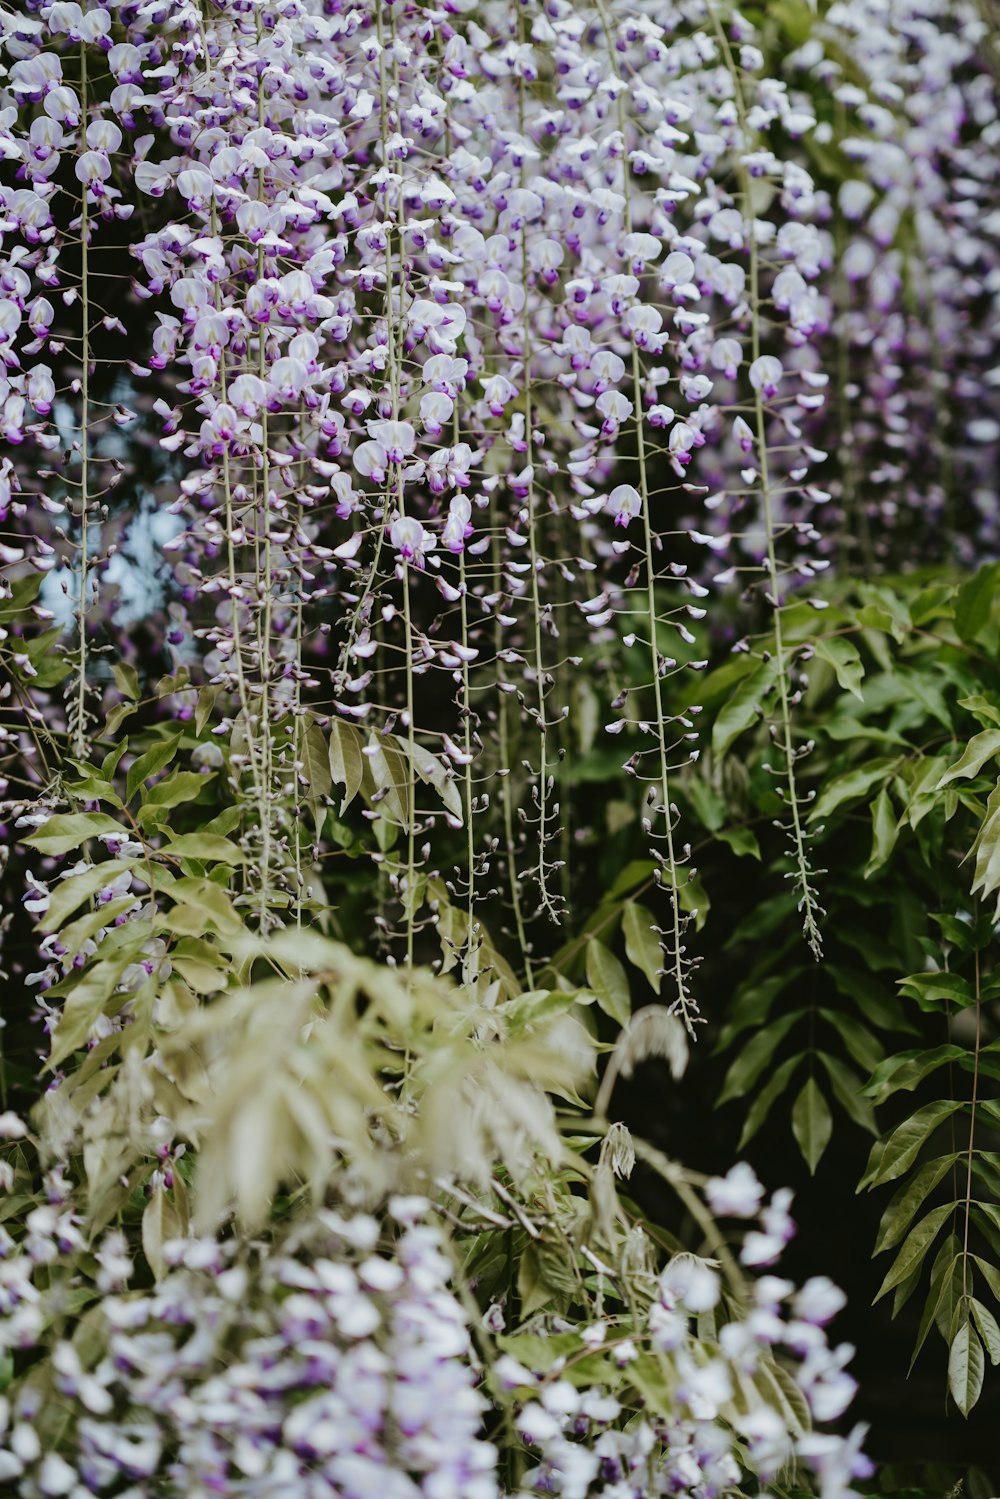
{"type": "Point", "coordinates": [330, 1362]}
{"type": "Point", "coordinates": [704, 1422]}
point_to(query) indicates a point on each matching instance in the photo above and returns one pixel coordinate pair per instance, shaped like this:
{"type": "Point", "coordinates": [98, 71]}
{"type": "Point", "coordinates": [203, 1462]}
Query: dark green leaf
{"type": "Point", "coordinates": [885, 831]}
{"type": "Point", "coordinates": [149, 764]}
{"type": "Point", "coordinates": [915, 1247]}
{"type": "Point", "coordinates": [744, 707]}
{"type": "Point", "coordinates": [756, 1055]}
{"type": "Point", "coordinates": [843, 656]}
{"type": "Point", "coordinates": [812, 1125]}
{"type": "Point", "coordinates": [847, 1089]}
{"type": "Point", "coordinates": [858, 1039]}
{"type": "Point", "coordinates": [908, 1198]}
{"type": "Point", "coordinates": [772, 1090]}
{"type": "Point", "coordinates": [897, 1152]}
{"type": "Point", "coordinates": [974, 604]}
{"type": "Point", "coordinates": [902, 1072]}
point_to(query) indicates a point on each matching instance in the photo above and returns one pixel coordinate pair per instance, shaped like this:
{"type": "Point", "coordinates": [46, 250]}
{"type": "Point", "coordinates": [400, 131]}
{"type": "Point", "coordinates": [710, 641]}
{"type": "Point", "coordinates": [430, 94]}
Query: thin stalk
{"type": "Point", "coordinates": [972, 1137]}
{"type": "Point", "coordinates": [80, 725]}
{"type": "Point", "coordinates": [394, 354]}
{"type": "Point", "coordinates": [682, 1002]}
{"type": "Point", "coordinates": [536, 604]}
{"type": "Point", "coordinates": [807, 900]}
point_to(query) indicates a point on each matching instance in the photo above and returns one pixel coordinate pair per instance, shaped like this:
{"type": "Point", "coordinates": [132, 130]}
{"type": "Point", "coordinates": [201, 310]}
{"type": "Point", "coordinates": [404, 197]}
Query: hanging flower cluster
{"type": "Point", "coordinates": [916, 250]}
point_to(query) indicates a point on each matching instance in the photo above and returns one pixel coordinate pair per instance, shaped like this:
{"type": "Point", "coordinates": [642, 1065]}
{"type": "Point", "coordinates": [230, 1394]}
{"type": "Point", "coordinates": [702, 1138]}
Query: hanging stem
{"type": "Point", "coordinates": [807, 900]}
{"type": "Point", "coordinates": [682, 1002]}
{"type": "Point", "coordinates": [80, 715]}
{"type": "Point", "coordinates": [972, 1136]}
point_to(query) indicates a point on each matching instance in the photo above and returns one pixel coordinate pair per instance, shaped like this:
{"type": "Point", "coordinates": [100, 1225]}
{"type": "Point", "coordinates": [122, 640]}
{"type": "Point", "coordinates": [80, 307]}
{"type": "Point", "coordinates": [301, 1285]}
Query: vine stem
{"type": "Point", "coordinates": [807, 901]}
{"type": "Point", "coordinates": [80, 728]}
{"type": "Point", "coordinates": [394, 356]}
{"type": "Point", "coordinates": [972, 1136]}
{"type": "Point", "coordinates": [682, 1002]}
{"type": "Point", "coordinates": [529, 416]}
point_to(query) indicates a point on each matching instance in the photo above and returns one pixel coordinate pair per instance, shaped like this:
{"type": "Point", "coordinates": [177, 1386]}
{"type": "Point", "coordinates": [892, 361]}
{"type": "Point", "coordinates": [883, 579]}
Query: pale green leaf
{"type": "Point", "coordinates": [67, 831]}
{"type": "Point", "coordinates": [989, 1330]}
{"type": "Point", "coordinates": [966, 1368]}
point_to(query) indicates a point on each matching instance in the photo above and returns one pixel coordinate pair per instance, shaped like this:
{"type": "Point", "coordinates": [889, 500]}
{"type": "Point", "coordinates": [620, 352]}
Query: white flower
{"type": "Point", "coordinates": [738, 1194]}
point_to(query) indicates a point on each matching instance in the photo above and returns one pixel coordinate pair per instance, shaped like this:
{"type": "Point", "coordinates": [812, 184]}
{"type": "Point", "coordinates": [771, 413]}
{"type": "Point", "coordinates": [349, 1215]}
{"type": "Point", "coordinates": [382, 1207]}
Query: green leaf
{"type": "Point", "coordinates": [878, 1005]}
{"type": "Point", "coordinates": [72, 892]}
{"type": "Point", "coordinates": [182, 786]}
{"type": "Point", "coordinates": [390, 779]}
{"type": "Point", "coordinates": [771, 1091]}
{"type": "Point", "coordinates": [847, 1089]}
{"type": "Point", "coordinates": [110, 762]}
{"type": "Point", "coordinates": [989, 1330]}
{"type": "Point", "coordinates": [642, 945]}
{"type": "Point", "coordinates": [83, 1006]}
{"type": "Point", "coordinates": [843, 656]}
{"type": "Point", "coordinates": [966, 1368]}
{"type": "Point", "coordinates": [741, 840]}
{"type": "Point", "coordinates": [755, 1056]}
{"type": "Point", "coordinates": [80, 931]}
{"type": "Point", "coordinates": [915, 1247]}
{"type": "Point", "coordinates": [858, 1039]}
{"type": "Point", "coordinates": [315, 759]}
{"type": "Point", "coordinates": [934, 990]}
{"type": "Point", "coordinates": [742, 709]}
{"type": "Point", "coordinates": [850, 787]}
{"type": "Point", "coordinates": [990, 1274]}
{"type": "Point", "coordinates": [885, 831]}
{"type": "Point", "coordinates": [609, 981]}
{"type": "Point", "coordinates": [434, 772]}
{"type": "Point", "coordinates": [901, 1073]}
{"type": "Point", "coordinates": [980, 748]}
{"type": "Point", "coordinates": [150, 764]}
{"type": "Point", "coordinates": [212, 903]}
{"type": "Point", "coordinates": [208, 846]}
{"type": "Point", "coordinates": [908, 1198]}
{"type": "Point", "coordinates": [208, 696]}
{"type": "Point", "coordinates": [347, 765]}
{"type": "Point", "coordinates": [981, 707]}
{"type": "Point", "coordinates": [752, 1004]}
{"type": "Point", "coordinates": [974, 604]}
{"type": "Point", "coordinates": [67, 831]}
{"type": "Point", "coordinates": [812, 1125]}
{"type": "Point", "coordinates": [987, 847]}
{"type": "Point", "coordinates": [897, 1152]}
{"type": "Point", "coordinates": [941, 1295]}
{"type": "Point", "coordinates": [127, 680]}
